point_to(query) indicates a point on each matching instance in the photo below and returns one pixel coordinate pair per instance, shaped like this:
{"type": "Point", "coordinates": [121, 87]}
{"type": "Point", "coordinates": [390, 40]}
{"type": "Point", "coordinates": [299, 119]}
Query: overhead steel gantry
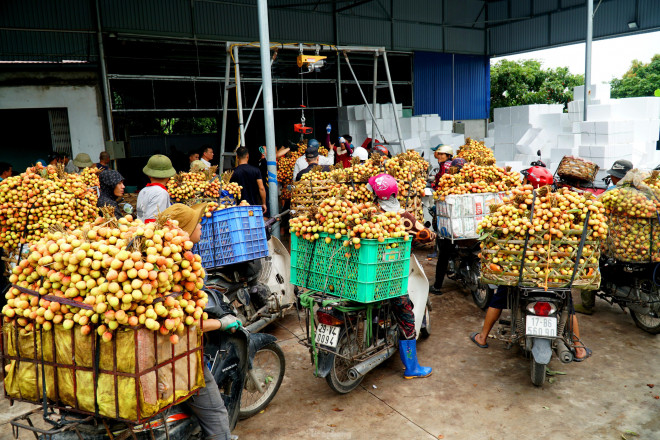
{"type": "Point", "coordinates": [232, 57]}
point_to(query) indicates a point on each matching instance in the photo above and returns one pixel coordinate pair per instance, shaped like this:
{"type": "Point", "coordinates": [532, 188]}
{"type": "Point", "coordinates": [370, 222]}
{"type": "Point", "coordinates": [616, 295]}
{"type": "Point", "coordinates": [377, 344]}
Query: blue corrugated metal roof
{"type": "Point", "coordinates": [433, 85]}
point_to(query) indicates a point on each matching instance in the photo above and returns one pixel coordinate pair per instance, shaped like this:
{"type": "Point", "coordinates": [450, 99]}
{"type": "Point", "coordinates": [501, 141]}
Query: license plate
{"type": "Point", "coordinates": [541, 326]}
{"type": "Point", "coordinates": [327, 335]}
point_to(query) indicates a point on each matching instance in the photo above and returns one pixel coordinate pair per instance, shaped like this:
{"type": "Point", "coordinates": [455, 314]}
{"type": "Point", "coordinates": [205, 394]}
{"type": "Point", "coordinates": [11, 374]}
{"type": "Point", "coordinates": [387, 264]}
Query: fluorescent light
{"type": "Point", "coordinates": [632, 25]}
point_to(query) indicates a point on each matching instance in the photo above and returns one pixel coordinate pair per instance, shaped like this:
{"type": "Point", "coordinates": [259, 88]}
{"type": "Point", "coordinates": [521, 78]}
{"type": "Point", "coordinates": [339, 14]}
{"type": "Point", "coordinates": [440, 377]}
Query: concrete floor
{"type": "Point", "coordinates": [473, 393]}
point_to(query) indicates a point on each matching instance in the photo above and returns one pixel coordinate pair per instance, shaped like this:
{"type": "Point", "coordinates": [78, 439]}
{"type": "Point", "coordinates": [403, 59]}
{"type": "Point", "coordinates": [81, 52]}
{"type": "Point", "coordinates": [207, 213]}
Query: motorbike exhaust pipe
{"type": "Point", "coordinates": [563, 353]}
{"type": "Point", "coordinates": [366, 366]}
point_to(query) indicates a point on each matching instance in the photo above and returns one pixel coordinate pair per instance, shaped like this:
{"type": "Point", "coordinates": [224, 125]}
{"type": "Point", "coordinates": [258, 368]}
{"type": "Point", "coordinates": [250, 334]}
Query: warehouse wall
{"type": "Point", "coordinates": [82, 104]}
{"type": "Point", "coordinates": [457, 87]}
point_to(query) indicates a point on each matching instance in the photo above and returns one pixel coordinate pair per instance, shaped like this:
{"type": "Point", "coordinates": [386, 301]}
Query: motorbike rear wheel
{"type": "Point", "coordinates": [268, 368]}
{"type": "Point", "coordinates": [338, 378]}
{"type": "Point", "coordinates": [482, 295]}
{"type": "Point", "coordinates": [650, 323]}
{"type": "Point", "coordinates": [538, 373]}
{"type": "Point", "coordinates": [425, 331]}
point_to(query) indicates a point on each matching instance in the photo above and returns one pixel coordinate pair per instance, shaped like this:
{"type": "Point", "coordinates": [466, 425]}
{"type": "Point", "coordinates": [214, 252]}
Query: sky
{"type": "Point", "coordinates": [610, 58]}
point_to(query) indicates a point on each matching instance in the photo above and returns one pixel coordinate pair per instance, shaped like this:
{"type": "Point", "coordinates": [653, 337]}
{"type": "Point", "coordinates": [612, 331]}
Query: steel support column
{"type": "Point", "coordinates": [225, 103]}
{"type": "Point", "coordinates": [587, 55]}
{"type": "Point", "coordinates": [269, 116]}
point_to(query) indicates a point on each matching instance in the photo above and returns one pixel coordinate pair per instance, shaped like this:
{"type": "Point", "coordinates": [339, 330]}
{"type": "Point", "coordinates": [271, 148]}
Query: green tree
{"type": "Point", "coordinates": [525, 82]}
{"type": "Point", "coordinates": [640, 80]}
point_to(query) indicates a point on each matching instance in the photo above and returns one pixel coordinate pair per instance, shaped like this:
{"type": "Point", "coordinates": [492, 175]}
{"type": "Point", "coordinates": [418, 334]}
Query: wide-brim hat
{"type": "Point", "coordinates": [441, 148]}
{"type": "Point", "coordinates": [187, 216]}
{"type": "Point", "coordinates": [82, 160]}
{"type": "Point", "coordinates": [159, 167]}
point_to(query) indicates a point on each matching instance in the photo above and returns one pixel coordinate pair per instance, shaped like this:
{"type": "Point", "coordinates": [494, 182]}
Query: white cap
{"type": "Point", "coordinates": [361, 153]}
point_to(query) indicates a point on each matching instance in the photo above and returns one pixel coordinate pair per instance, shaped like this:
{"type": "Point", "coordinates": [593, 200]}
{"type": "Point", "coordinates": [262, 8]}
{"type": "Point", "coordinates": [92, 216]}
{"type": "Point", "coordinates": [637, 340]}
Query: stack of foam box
{"type": "Point", "coordinates": [615, 129]}
{"type": "Point", "coordinates": [419, 133]}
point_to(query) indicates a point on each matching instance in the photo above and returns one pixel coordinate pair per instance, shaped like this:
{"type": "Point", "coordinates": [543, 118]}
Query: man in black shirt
{"type": "Point", "coordinates": [312, 157]}
{"type": "Point", "coordinates": [249, 177]}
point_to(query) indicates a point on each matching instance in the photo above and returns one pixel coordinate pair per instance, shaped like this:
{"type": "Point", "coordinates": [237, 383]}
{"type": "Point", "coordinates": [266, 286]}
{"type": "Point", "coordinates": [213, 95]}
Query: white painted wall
{"type": "Point", "coordinates": [85, 121]}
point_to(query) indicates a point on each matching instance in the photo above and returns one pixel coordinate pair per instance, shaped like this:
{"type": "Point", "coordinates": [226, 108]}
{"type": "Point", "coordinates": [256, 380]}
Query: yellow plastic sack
{"type": "Point", "coordinates": [155, 389]}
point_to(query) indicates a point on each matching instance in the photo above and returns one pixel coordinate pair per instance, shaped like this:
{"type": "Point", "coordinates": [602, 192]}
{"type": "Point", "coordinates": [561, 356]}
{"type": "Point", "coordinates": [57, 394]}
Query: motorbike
{"type": "Point", "coordinates": [347, 340]}
{"type": "Point", "coordinates": [259, 290]}
{"type": "Point", "coordinates": [464, 268]}
{"type": "Point", "coordinates": [596, 188]}
{"type": "Point", "coordinates": [635, 286]}
{"type": "Point", "coordinates": [234, 360]}
{"type": "Point", "coordinates": [540, 324]}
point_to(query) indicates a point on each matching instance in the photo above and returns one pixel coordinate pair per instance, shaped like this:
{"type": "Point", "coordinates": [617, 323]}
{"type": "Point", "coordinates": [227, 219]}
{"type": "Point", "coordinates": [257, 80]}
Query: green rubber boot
{"type": "Point", "coordinates": [588, 301]}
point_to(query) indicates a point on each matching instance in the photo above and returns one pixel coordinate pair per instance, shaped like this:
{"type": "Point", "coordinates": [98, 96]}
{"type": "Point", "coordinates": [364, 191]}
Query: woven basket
{"type": "Point", "coordinates": [572, 167]}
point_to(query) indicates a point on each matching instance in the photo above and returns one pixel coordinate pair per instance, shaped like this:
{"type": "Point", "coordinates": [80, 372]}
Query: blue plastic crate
{"type": "Point", "coordinates": [205, 247]}
{"type": "Point", "coordinates": [239, 235]}
{"type": "Point", "coordinates": [231, 236]}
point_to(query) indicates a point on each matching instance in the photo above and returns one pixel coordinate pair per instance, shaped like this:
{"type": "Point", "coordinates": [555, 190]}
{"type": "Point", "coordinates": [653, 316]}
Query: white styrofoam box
{"type": "Point", "coordinates": [343, 127]}
{"type": "Point", "coordinates": [529, 135]}
{"type": "Point", "coordinates": [601, 150]}
{"type": "Point", "coordinates": [419, 122]}
{"type": "Point", "coordinates": [407, 128]}
{"type": "Point", "coordinates": [556, 154]}
{"type": "Point", "coordinates": [575, 106]}
{"type": "Point", "coordinates": [491, 126]}
{"type": "Point", "coordinates": [588, 139]}
{"type": "Point", "coordinates": [518, 131]}
{"type": "Point", "coordinates": [568, 141]}
{"type": "Point", "coordinates": [575, 116]}
{"type": "Point", "coordinates": [504, 152]}
{"type": "Point", "coordinates": [605, 163]}
{"type": "Point", "coordinates": [654, 130]}
{"type": "Point", "coordinates": [413, 143]}
{"type": "Point", "coordinates": [502, 115]}
{"type": "Point", "coordinates": [603, 112]}
{"type": "Point", "coordinates": [399, 109]}
{"type": "Point", "coordinates": [551, 121]}
{"type": "Point", "coordinates": [525, 159]}
{"type": "Point", "coordinates": [458, 139]}
{"type": "Point", "coordinates": [433, 123]}
{"type": "Point", "coordinates": [637, 108]}
{"type": "Point", "coordinates": [489, 142]}
{"type": "Point", "coordinates": [587, 127]}
{"type": "Point", "coordinates": [355, 126]}
{"type": "Point", "coordinates": [554, 108]}
{"type": "Point", "coordinates": [514, 164]}
{"type": "Point", "coordinates": [526, 114]}
{"type": "Point", "coordinates": [446, 126]}
{"type": "Point", "coordinates": [491, 134]}
{"type": "Point", "coordinates": [350, 112]}
{"type": "Point", "coordinates": [528, 138]}
{"type": "Point", "coordinates": [423, 136]}
{"type": "Point", "coordinates": [612, 127]}
{"type": "Point", "coordinates": [599, 92]}
{"type": "Point", "coordinates": [358, 113]}
{"type": "Point", "coordinates": [386, 111]}
{"type": "Point", "coordinates": [503, 134]}
{"type": "Point", "coordinates": [616, 138]}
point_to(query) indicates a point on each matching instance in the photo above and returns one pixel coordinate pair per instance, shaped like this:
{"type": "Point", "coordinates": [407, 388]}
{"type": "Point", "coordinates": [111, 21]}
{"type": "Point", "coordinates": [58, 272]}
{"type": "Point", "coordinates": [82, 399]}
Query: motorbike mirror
{"type": "Point", "coordinates": [538, 153]}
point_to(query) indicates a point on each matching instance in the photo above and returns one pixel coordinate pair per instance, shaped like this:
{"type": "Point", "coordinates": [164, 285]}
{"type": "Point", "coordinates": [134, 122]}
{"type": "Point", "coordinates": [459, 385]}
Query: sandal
{"type": "Point", "coordinates": [589, 353]}
{"type": "Point", "coordinates": [473, 338]}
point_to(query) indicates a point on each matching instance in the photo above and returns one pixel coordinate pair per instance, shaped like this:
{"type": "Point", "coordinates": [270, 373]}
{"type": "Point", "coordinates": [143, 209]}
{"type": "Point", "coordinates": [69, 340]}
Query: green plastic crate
{"type": "Point", "coordinates": [371, 273]}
